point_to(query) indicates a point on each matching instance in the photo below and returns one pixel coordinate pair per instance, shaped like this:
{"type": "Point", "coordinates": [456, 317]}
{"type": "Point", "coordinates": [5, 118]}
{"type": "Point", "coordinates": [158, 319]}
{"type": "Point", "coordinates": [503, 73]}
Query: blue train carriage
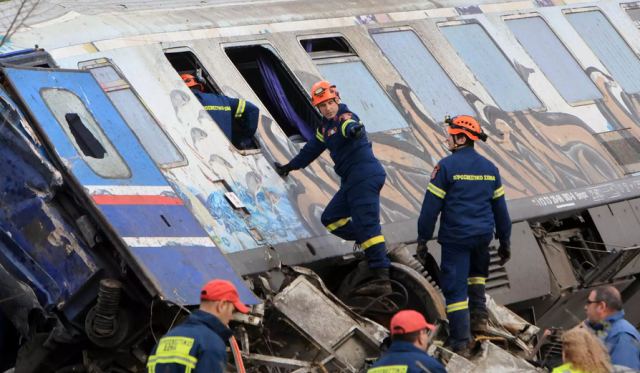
{"type": "Point", "coordinates": [92, 232]}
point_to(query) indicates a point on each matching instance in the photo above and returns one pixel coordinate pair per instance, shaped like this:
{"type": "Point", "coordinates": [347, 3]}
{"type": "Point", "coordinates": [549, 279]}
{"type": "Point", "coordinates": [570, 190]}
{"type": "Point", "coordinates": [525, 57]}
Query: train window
{"type": "Point", "coordinates": [555, 61]}
{"type": "Point", "coordinates": [155, 141]}
{"type": "Point", "coordinates": [357, 86]}
{"type": "Point", "coordinates": [278, 90]}
{"type": "Point", "coordinates": [223, 109]}
{"type": "Point", "coordinates": [490, 66]}
{"type": "Point", "coordinates": [186, 62]}
{"type": "Point", "coordinates": [634, 12]}
{"type": "Point", "coordinates": [608, 45]}
{"type": "Point", "coordinates": [327, 47]}
{"type": "Point", "coordinates": [85, 133]}
{"type": "Point", "coordinates": [422, 73]}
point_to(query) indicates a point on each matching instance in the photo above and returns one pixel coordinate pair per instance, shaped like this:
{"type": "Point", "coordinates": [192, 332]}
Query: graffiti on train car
{"type": "Point", "coordinates": [263, 215]}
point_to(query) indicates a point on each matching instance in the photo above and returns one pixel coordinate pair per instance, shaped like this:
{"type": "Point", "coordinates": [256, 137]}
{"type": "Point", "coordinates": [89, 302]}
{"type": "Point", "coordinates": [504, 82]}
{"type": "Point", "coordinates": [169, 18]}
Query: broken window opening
{"type": "Point", "coordinates": [239, 125]}
{"type": "Point", "coordinates": [28, 58]}
{"type": "Point", "coordinates": [85, 133]}
{"type": "Point", "coordinates": [89, 145]}
{"type": "Point", "coordinates": [351, 77]}
{"type": "Point", "coordinates": [327, 47]}
{"type": "Point", "coordinates": [135, 114]}
{"type": "Point", "coordinates": [277, 89]}
{"type": "Point", "coordinates": [186, 62]}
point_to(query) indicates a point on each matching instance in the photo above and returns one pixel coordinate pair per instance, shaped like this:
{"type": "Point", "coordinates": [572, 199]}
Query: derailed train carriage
{"type": "Point", "coordinates": [121, 196]}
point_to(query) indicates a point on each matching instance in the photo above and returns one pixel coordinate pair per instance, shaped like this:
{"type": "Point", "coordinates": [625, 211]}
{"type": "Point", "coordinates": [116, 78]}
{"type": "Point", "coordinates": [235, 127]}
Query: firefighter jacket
{"type": "Point", "coordinates": [621, 338]}
{"type": "Point", "coordinates": [195, 346]}
{"type": "Point", "coordinates": [466, 188]}
{"type": "Point", "coordinates": [237, 118]}
{"type": "Point", "coordinates": [405, 357]}
{"type": "Point", "coordinates": [353, 158]}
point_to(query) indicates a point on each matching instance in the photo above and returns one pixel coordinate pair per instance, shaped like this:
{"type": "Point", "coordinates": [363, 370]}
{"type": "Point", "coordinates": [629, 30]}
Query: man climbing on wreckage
{"type": "Point", "coordinates": [354, 212]}
{"type": "Point", "coordinates": [466, 188]}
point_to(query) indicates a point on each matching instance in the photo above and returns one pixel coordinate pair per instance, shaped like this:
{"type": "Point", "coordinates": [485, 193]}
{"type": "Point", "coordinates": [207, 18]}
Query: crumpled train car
{"type": "Point", "coordinates": [123, 195]}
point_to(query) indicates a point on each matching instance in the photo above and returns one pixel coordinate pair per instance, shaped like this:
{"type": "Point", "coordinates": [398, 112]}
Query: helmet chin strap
{"type": "Point", "coordinates": [457, 146]}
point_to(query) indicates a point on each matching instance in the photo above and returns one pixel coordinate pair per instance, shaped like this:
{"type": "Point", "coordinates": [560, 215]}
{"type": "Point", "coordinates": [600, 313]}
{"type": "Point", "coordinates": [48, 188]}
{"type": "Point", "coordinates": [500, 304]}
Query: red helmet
{"type": "Point", "coordinates": [408, 321]}
{"type": "Point", "coordinates": [323, 91]}
{"type": "Point", "coordinates": [467, 125]}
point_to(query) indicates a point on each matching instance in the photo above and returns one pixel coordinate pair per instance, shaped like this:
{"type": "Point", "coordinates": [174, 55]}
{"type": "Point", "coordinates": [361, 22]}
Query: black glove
{"type": "Point", "coordinates": [356, 131]}
{"type": "Point", "coordinates": [504, 252]}
{"type": "Point", "coordinates": [282, 170]}
{"type": "Point", "coordinates": [422, 250]}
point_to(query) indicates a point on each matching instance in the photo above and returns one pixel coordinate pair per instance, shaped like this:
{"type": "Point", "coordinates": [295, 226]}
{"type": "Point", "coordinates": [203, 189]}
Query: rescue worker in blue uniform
{"type": "Point", "coordinates": [237, 118]}
{"type": "Point", "coordinates": [198, 345]}
{"type": "Point", "coordinates": [354, 212]}
{"type": "Point", "coordinates": [409, 343]}
{"type": "Point", "coordinates": [465, 189]}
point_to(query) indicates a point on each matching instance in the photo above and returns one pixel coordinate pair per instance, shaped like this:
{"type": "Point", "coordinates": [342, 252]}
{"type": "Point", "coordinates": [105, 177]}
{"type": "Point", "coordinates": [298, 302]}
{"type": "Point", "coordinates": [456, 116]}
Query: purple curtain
{"type": "Point", "coordinates": [279, 99]}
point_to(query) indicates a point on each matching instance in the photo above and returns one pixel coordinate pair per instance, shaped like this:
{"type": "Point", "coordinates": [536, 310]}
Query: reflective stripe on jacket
{"type": "Point", "coordinates": [353, 158]}
{"type": "Point", "coordinates": [467, 189]}
{"type": "Point", "coordinates": [195, 346]}
{"type": "Point", "coordinates": [404, 357]}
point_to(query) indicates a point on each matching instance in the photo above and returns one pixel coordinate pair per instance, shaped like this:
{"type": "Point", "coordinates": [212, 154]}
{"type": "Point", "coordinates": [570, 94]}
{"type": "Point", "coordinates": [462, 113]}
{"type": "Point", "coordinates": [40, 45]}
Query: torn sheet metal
{"type": "Point", "coordinates": [339, 332]}
{"type": "Point", "coordinates": [514, 324]}
{"type": "Point", "coordinates": [38, 245]}
{"type": "Point", "coordinates": [494, 359]}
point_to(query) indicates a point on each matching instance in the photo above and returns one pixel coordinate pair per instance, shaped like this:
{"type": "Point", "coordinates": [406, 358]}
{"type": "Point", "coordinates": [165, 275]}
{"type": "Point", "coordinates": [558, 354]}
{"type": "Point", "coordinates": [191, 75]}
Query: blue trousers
{"type": "Point", "coordinates": [464, 270]}
{"type": "Point", "coordinates": [354, 214]}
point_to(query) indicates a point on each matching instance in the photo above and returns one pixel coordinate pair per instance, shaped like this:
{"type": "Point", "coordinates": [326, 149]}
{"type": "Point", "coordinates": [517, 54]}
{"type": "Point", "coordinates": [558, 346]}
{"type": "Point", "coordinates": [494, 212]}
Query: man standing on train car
{"type": "Point", "coordinates": [237, 118]}
{"type": "Point", "coordinates": [354, 212]}
{"type": "Point", "coordinates": [466, 188]}
{"type": "Point", "coordinates": [198, 345]}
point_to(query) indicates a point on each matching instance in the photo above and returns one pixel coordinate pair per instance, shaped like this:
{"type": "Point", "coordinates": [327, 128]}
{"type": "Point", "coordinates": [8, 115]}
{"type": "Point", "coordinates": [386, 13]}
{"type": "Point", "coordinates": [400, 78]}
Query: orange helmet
{"type": "Point", "coordinates": [323, 91]}
{"type": "Point", "coordinates": [467, 125]}
{"type": "Point", "coordinates": [191, 81]}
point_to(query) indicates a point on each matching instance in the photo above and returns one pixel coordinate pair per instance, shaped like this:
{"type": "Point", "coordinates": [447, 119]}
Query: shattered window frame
{"type": "Point", "coordinates": [113, 87]}
{"type": "Point", "coordinates": [383, 121]}
{"type": "Point", "coordinates": [120, 168]}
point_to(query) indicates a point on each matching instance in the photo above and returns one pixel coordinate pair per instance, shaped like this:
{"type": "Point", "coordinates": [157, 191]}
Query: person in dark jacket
{"type": "Point", "coordinates": [466, 191]}
{"type": "Point", "coordinates": [408, 350]}
{"type": "Point", "coordinates": [354, 212]}
{"type": "Point", "coordinates": [198, 345]}
{"type": "Point", "coordinates": [237, 118]}
{"type": "Point", "coordinates": [605, 317]}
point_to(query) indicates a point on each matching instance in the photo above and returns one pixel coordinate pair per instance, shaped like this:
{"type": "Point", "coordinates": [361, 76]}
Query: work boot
{"type": "Point", "coordinates": [479, 323]}
{"type": "Point", "coordinates": [376, 286]}
{"type": "Point", "coordinates": [467, 350]}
